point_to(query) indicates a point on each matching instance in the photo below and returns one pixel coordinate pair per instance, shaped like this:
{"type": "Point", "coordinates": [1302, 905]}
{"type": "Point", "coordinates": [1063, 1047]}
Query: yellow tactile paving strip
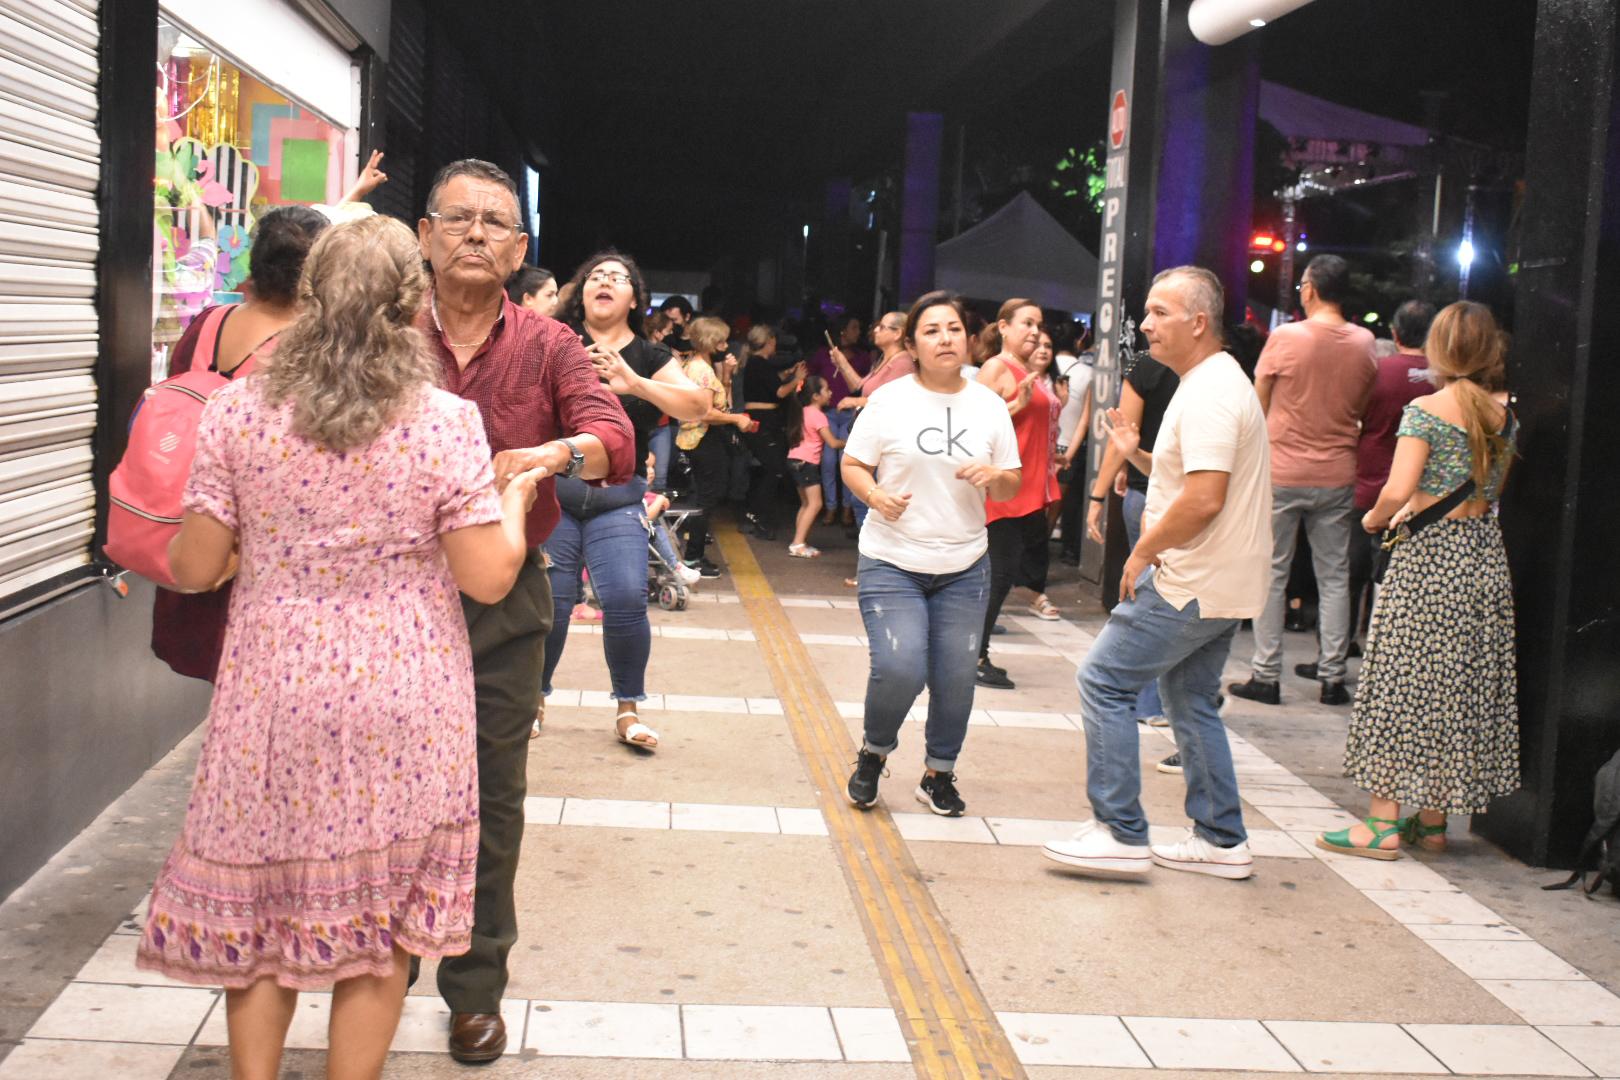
{"type": "Point", "coordinates": [949, 1025]}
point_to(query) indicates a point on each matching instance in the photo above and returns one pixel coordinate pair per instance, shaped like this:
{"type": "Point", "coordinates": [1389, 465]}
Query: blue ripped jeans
{"type": "Point", "coordinates": [1147, 639]}
{"type": "Point", "coordinates": [922, 630]}
{"type": "Point", "coordinates": [602, 530]}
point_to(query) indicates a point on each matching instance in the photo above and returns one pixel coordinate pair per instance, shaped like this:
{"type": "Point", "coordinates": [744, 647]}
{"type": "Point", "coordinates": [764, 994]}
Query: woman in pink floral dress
{"type": "Point", "coordinates": [332, 830]}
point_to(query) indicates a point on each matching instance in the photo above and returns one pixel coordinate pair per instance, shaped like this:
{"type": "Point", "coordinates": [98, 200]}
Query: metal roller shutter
{"type": "Point", "coordinates": [50, 163]}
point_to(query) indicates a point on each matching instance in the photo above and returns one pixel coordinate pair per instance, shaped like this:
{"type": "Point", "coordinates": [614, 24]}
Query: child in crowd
{"type": "Point", "coordinates": [804, 461]}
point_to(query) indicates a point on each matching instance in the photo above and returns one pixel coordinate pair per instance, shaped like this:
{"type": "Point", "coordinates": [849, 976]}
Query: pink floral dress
{"type": "Point", "coordinates": [335, 809]}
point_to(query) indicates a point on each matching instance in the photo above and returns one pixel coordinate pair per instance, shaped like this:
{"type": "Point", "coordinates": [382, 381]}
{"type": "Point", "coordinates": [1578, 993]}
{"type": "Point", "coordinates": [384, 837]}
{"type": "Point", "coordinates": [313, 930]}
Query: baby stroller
{"type": "Point", "coordinates": [664, 582]}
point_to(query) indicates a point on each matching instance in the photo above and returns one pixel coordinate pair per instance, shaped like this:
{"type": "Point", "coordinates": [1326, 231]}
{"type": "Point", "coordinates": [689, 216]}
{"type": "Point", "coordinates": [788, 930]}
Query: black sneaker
{"type": "Point", "coordinates": [938, 793]}
{"type": "Point", "coordinates": [1334, 693]}
{"type": "Point", "coordinates": [1266, 693]}
{"type": "Point", "coordinates": [997, 628]}
{"type": "Point", "coordinates": [1171, 764]}
{"type": "Point", "coordinates": [863, 782]}
{"type": "Point", "coordinates": [1305, 671]}
{"type": "Point", "coordinates": [992, 676]}
{"type": "Point", "coordinates": [705, 567]}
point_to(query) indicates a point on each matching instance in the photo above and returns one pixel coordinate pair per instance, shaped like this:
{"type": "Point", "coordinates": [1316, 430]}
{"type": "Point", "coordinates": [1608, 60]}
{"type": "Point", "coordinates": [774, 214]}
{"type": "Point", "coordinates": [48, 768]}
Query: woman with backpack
{"type": "Point", "coordinates": [332, 830]}
{"type": "Point", "coordinates": [1436, 719]}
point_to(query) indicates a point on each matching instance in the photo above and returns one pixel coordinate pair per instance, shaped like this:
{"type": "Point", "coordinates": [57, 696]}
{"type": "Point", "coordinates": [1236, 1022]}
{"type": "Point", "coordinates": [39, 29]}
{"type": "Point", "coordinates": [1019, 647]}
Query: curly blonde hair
{"type": "Point", "coordinates": [352, 362]}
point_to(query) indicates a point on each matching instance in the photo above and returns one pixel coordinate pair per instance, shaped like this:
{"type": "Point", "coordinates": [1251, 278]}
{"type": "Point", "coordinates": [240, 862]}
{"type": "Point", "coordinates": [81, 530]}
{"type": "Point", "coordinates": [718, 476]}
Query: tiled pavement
{"type": "Point", "coordinates": [686, 908]}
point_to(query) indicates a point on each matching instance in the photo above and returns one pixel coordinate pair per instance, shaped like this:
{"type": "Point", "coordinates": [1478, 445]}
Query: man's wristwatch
{"type": "Point", "coordinates": [576, 460]}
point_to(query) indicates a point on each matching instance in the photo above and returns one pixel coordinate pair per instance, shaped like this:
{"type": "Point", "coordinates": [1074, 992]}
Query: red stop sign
{"type": "Point", "coordinates": [1116, 121]}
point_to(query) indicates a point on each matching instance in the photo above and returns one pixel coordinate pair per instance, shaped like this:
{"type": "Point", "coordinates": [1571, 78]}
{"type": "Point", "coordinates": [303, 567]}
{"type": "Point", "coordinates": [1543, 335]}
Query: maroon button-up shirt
{"type": "Point", "coordinates": [532, 382]}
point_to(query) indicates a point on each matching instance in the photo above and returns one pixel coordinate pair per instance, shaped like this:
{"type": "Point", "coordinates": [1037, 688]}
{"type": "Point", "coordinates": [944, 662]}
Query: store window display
{"type": "Point", "coordinates": [228, 149]}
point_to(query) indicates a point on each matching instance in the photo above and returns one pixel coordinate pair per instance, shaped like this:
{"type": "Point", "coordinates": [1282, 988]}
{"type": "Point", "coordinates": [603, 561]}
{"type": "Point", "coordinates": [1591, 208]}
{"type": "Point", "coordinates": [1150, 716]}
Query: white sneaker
{"type": "Point", "coordinates": [1198, 856]}
{"type": "Point", "coordinates": [1094, 848]}
{"type": "Point", "coordinates": [688, 575]}
{"type": "Point", "coordinates": [1153, 721]}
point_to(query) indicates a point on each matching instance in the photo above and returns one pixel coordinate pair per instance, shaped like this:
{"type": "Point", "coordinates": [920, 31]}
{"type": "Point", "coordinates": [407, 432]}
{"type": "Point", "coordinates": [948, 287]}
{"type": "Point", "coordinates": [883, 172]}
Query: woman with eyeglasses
{"type": "Point", "coordinates": [601, 529]}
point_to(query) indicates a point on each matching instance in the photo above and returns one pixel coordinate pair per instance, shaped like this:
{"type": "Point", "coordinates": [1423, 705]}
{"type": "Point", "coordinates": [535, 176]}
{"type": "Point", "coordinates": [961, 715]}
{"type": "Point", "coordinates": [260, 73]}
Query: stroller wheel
{"type": "Point", "coordinates": [680, 602]}
{"type": "Point", "coordinates": [669, 599]}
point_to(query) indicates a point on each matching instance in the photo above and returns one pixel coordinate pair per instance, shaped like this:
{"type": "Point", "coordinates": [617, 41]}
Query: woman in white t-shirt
{"type": "Point", "coordinates": [924, 454]}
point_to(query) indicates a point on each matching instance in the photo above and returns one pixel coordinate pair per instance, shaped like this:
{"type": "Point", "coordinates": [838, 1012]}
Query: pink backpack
{"type": "Point", "coordinates": [146, 487]}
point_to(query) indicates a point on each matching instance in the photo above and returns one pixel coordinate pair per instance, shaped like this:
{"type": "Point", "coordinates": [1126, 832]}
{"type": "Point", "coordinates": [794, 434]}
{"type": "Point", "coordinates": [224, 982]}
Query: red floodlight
{"type": "Point", "coordinates": [1278, 246]}
{"type": "Point", "coordinates": [1264, 241]}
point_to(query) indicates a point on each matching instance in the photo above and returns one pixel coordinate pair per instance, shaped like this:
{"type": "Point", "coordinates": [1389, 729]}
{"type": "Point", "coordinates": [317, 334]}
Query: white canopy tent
{"type": "Point", "coordinates": [1020, 250]}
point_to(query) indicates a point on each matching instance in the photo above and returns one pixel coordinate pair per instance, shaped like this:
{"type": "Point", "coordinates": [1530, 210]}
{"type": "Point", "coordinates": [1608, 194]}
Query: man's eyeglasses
{"type": "Point", "coordinates": [457, 221]}
{"type": "Point", "coordinates": [607, 277]}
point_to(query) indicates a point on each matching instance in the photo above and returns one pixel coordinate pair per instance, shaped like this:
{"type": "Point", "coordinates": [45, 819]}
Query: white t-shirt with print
{"type": "Point", "coordinates": [917, 440]}
{"type": "Point", "coordinates": [1079, 371]}
{"type": "Point", "coordinates": [1214, 424]}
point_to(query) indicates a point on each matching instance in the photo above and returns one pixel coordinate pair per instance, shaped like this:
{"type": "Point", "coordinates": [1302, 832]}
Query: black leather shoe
{"type": "Point", "coordinates": [992, 676]}
{"type": "Point", "coordinates": [476, 1038]}
{"type": "Point", "coordinates": [1305, 671]}
{"type": "Point", "coordinates": [1266, 693]}
{"type": "Point", "coordinates": [1334, 693]}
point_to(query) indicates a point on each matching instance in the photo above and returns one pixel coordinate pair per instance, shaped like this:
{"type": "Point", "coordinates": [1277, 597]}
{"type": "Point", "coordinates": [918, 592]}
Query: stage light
{"type": "Point", "coordinates": [1257, 266]}
{"type": "Point", "coordinates": [1262, 241]}
{"type": "Point", "coordinates": [1465, 254]}
{"type": "Point", "coordinates": [1279, 246]}
{"type": "Point", "coordinates": [1257, 23]}
{"type": "Point", "coordinates": [1300, 247]}
{"type": "Point", "coordinates": [1372, 317]}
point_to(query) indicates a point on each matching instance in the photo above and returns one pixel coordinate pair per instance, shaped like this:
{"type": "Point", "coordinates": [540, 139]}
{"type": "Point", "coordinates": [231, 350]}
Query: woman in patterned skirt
{"type": "Point", "coordinates": [1436, 720]}
{"type": "Point", "coordinates": [332, 830]}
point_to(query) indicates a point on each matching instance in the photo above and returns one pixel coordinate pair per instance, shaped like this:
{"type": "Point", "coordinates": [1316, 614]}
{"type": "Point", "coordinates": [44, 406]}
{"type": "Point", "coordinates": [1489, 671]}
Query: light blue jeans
{"type": "Point", "coordinates": [1147, 702]}
{"type": "Point", "coordinates": [662, 445]}
{"type": "Point", "coordinates": [1147, 639]}
{"type": "Point", "coordinates": [923, 630]}
{"type": "Point", "coordinates": [839, 421]}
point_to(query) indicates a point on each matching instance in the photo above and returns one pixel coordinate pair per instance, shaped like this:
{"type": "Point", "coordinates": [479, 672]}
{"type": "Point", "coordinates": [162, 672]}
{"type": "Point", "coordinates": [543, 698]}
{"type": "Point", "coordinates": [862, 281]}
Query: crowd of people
{"type": "Point", "coordinates": [431, 449]}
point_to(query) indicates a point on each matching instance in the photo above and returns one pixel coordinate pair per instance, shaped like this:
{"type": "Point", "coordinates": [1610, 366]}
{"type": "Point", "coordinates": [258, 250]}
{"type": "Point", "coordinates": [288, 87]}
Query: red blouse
{"type": "Point", "coordinates": [1033, 427]}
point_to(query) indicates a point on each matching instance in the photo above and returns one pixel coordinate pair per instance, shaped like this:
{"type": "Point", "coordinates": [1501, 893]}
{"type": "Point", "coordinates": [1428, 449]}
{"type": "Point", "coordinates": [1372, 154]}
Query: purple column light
{"type": "Point", "coordinates": [919, 203]}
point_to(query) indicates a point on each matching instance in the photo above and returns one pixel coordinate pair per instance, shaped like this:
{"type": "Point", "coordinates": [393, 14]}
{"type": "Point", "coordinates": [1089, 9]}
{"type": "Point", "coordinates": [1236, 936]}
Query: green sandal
{"type": "Point", "coordinates": [1427, 837]}
{"type": "Point", "coordinates": [1340, 841]}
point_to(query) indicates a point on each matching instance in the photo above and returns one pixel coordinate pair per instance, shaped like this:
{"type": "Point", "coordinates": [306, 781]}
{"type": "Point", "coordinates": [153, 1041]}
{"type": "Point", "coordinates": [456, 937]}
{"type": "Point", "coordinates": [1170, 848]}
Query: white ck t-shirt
{"type": "Point", "coordinates": [917, 440]}
{"type": "Point", "coordinates": [1214, 423]}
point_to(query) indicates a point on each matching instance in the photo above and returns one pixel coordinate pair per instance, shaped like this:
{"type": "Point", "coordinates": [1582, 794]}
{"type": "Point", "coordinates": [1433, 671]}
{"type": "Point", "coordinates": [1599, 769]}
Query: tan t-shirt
{"type": "Point", "coordinates": [1323, 377]}
{"type": "Point", "coordinates": [1214, 424]}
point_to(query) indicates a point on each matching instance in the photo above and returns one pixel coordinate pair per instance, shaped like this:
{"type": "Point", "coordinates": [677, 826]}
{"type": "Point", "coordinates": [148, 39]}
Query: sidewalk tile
{"type": "Point", "coordinates": [964, 830]}
{"type": "Point", "coordinates": [1029, 832]}
{"type": "Point", "coordinates": [804, 602]}
{"type": "Point", "coordinates": [1099, 1042]}
{"type": "Point", "coordinates": [114, 962]}
{"type": "Point", "coordinates": [1284, 795]}
{"type": "Point", "coordinates": [831, 639]}
{"type": "Point", "coordinates": [1412, 908]}
{"type": "Point", "coordinates": [1354, 1047]}
{"type": "Point", "coordinates": [1495, 1050]}
{"type": "Point", "coordinates": [597, 699]}
{"type": "Point", "coordinates": [699, 703]}
{"type": "Point", "coordinates": [1016, 648]}
{"type": "Point", "coordinates": [846, 605]}
{"type": "Point", "coordinates": [542, 810]}
{"type": "Point", "coordinates": [711, 817]}
{"type": "Point", "coordinates": [764, 706]}
{"type": "Point", "coordinates": [424, 1025]}
{"type": "Point", "coordinates": [1505, 960]}
{"type": "Point", "coordinates": [870, 1035]}
{"type": "Point", "coordinates": [1275, 844]}
{"type": "Point", "coordinates": [801, 821]}
{"type": "Point", "coordinates": [1306, 818]}
{"type": "Point", "coordinates": [693, 633]}
{"type": "Point", "coordinates": [604, 1029]}
{"type": "Point", "coordinates": [1557, 1001]}
{"type": "Point", "coordinates": [1268, 777]}
{"type": "Point", "coordinates": [1598, 1048]}
{"type": "Point", "coordinates": [1013, 719]}
{"type": "Point", "coordinates": [1210, 1044]}
{"type": "Point", "coordinates": [851, 710]}
{"type": "Point", "coordinates": [740, 635]}
{"type": "Point", "coordinates": [1404, 874]}
{"type": "Point", "coordinates": [137, 1014]}
{"type": "Point", "coordinates": [37, 1059]}
{"type": "Point", "coordinates": [1446, 932]}
{"type": "Point", "coordinates": [760, 1033]}
{"type": "Point", "coordinates": [616, 813]}
{"type": "Point", "coordinates": [563, 698]}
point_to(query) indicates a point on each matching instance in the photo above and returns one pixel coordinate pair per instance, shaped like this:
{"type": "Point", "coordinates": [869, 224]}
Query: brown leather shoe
{"type": "Point", "coordinates": [477, 1037]}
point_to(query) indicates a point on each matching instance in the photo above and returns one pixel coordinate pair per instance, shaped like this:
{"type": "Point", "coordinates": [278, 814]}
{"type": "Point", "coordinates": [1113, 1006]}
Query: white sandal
{"type": "Point", "coordinates": [636, 734]}
{"type": "Point", "coordinates": [1043, 608]}
{"type": "Point", "coordinates": [539, 718]}
{"type": "Point", "coordinates": [804, 551]}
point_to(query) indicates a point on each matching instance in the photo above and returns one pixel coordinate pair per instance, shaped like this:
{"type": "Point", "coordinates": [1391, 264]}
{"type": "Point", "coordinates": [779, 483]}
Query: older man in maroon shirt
{"type": "Point", "coordinates": [543, 406]}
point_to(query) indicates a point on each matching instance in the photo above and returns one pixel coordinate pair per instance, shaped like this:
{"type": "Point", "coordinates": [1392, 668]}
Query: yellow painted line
{"type": "Point", "coordinates": [951, 1029]}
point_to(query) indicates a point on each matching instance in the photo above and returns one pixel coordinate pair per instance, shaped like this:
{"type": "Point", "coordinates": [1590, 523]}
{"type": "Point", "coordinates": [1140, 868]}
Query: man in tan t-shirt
{"type": "Point", "coordinates": [1198, 570]}
{"type": "Point", "coordinates": [1314, 378]}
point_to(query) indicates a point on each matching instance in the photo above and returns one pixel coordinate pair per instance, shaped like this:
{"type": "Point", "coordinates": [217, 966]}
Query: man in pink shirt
{"type": "Point", "coordinates": [1314, 378]}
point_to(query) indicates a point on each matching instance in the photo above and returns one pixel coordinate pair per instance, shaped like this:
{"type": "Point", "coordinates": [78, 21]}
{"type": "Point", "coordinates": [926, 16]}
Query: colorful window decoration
{"type": "Point", "coordinates": [228, 149]}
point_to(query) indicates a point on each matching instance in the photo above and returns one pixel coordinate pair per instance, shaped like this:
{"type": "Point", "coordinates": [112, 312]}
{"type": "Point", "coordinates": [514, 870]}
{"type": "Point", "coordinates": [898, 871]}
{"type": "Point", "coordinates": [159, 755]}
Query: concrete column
{"type": "Point", "coordinates": [919, 203]}
{"type": "Point", "coordinates": [1563, 498]}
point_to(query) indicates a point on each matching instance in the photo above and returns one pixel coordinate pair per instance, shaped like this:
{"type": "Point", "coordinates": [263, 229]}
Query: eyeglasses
{"type": "Point", "coordinates": [607, 277]}
{"type": "Point", "coordinates": [458, 220]}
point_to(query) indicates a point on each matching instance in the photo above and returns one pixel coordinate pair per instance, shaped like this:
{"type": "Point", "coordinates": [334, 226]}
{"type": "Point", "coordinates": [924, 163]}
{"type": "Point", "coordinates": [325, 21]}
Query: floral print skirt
{"type": "Point", "coordinates": [1436, 718]}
